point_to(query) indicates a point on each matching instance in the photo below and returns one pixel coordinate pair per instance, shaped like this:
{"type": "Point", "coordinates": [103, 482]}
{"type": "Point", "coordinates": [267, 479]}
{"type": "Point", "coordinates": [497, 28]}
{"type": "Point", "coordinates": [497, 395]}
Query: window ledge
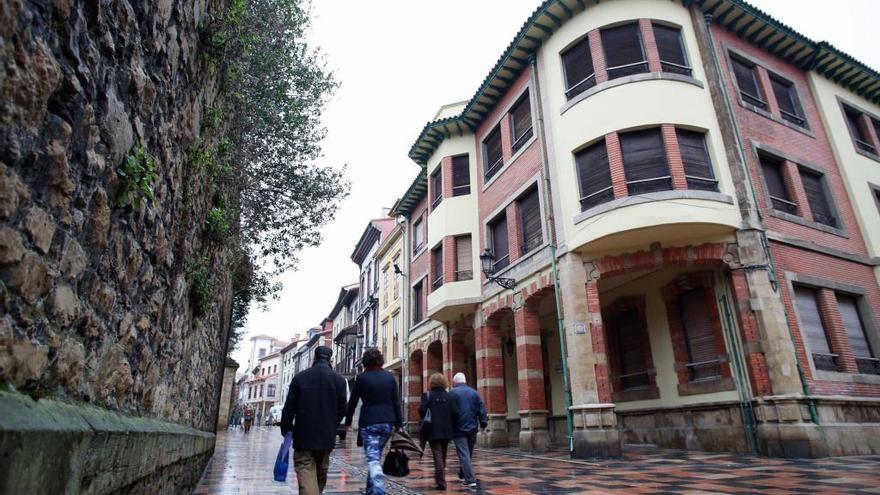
{"type": "Point", "coordinates": [649, 198]}
{"type": "Point", "coordinates": [809, 223]}
{"type": "Point", "coordinates": [620, 81]}
{"type": "Point", "coordinates": [775, 118]}
{"type": "Point", "coordinates": [867, 154]}
{"type": "Point", "coordinates": [837, 376]}
{"type": "Point", "coordinates": [706, 387]}
{"type": "Point", "coordinates": [508, 163]}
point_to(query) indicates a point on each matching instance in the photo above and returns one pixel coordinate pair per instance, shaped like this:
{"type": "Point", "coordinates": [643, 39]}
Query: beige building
{"type": "Point", "coordinates": [391, 265]}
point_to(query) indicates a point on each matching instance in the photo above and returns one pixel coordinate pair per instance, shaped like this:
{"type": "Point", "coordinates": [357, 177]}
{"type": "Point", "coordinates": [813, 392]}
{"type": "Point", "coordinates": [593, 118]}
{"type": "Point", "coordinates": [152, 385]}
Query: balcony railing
{"type": "Point", "coordinates": [494, 168]}
{"type": "Point", "coordinates": [867, 147]}
{"type": "Point", "coordinates": [826, 362]}
{"type": "Point", "coordinates": [794, 119]}
{"type": "Point", "coordinates": [704, 370]}
{"type": "Point", "coordinates": [784, 205]}
{"type": "Point", "coordinates": [580, 87]}
{"type": "Point", "coordinates": [634, 380]}
{"type": "Point", "coordinates": [628, 69]}
{"type": "Point", "coordinates": [675, 68]}
{"type": "Point", "coordinates": [464, 275]}
{"type": "Point", "coordinates": [597, 198]}
{"type": "Point", "coordinates": [436, 201]}
{"type": "Point", "coordinates": [522, 139]}
{"type": "Point", "coordinates": [868, 365]}
{"type": "Point", "coordinates": [653, 184]}
{"type": "Point", "coordinates": [753, 100]}
{"type": "Point", "coordinates": [501, 263]}
{"type": "Point", "coordinates": [438, 281]}
{"type": "Point", "coordinates": [461, 190]}
{"type": "Point", "coordinates": [701, 183]}
{"type": "Point", "coordinates": [530, 244]}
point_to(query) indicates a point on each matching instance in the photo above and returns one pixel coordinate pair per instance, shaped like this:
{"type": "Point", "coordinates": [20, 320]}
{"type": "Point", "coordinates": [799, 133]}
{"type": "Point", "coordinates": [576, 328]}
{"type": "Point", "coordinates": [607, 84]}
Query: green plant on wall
{"type": "Point", "coordinates": [201, 287]}
{"type": "Point", "coordinates": [136, 176]}
{"type": "Point", "coordinates": [217, 224]}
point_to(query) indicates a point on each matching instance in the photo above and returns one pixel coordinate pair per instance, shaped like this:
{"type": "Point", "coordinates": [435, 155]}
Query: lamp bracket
{"type": "Point", "coordinates": [507, 283]}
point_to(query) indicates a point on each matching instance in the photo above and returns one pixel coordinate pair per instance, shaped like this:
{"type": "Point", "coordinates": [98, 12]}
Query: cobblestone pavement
{"type": "Point", "coordinates": [243, 464]}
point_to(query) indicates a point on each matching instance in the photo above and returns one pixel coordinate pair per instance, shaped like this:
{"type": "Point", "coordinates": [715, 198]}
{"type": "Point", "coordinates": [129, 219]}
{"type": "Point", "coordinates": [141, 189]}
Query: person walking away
{"type": "Point", "coordinates": [248, 419]}
{"type": "Point", "coordinates": [437, 400]}
{"type": "Point", "coordinates": [376, 389]}
{"type": "Point", "coordinates": [470, 414]}
{"type": "Point", "coordinates": [315, 405]}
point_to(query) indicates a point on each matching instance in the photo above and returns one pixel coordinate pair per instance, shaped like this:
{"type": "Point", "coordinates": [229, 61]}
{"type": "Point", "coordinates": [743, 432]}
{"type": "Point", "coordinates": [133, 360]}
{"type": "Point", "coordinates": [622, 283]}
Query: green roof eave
{"type": "Point", "coordinates": [411, 197]}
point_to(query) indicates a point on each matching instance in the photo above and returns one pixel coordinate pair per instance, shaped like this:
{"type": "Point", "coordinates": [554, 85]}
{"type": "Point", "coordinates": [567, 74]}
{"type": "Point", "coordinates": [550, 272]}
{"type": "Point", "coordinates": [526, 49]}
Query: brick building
{"type": "Point", "coordinates": [677, 203]}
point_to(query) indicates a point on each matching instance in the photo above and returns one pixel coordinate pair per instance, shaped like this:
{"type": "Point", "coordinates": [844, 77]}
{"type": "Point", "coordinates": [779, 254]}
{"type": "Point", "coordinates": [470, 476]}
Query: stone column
{"type": "Point", "coordinates": [595, 422]}
{"type": "Point", "coordinates": [490, 384]}
{"type": "Point", "coordinates": [534, 434]}
{"type": "Point", "coordinates": [414, 392]}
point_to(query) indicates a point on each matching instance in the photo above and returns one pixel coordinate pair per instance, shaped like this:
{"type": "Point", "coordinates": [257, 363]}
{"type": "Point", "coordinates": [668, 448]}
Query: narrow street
{"type": "Point", "coordinates": [242, 464]}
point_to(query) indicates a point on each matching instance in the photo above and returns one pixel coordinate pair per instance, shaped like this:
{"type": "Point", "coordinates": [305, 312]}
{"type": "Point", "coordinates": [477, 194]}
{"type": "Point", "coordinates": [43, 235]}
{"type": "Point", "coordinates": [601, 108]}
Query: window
{"type": "Point", "coordinates": [671, 48]}
{"type": "Point", "coordinates": [385, 285]}
{"type": "Point", "coordinates": [437, 186]}
{"type": "Point", "coordinates": [577, 62]}
{"type": "Point", "coordinates": [274, 368]}
{"type": "Point", "coordinates": [857, 130]}
{"type": "Point", "coordinates": [498, 237]}
{"type": "Point", "coordinates": [464, 259]}
{"type": "Point", "coordinates": [261, 353]}
{"type": "Point", "coordinates": [261, 390]}
{"type": "Point", "coordinates": [773, 178]}
{"type": "Point", "coordinates": [699, 335]}
{"type": "Point", "coordinates": [521, 121]}
{"type": "Point", "coordinates": [747, 81]}
{"type": "Point", "coordinates": [437, 266]}
{"type": "Point", "coordinates": [695, 156]}
{"type": "Point", "coordinates": [628, 327]}
{"type": "Point", "coordinates": [418, 236]}
{"type": "Point", "coordinates": [786, 97]}
{"type": "Point", "coordinates": [594, 174]}
{"type": "Point", "coordinates": [817, 197]}
{"type": "Point", "coordinates": [395, 329]}
{"type": "Point", "coordinates": [418, 303]}
{"type": "Point", "coordinates": [492, 155]}
{"type": "Point", "coordinates": [814, 329]}
{"type": "Point", "coordinates": [396, 277]}
{"type": "Point", "coordinates": [530, 221]}
{"type": "Point", "coordinates": [644, 161]}
{"type": "Point", "coordinates": [855, 331]}
{"type": "Point", "coordinates": [270, 391]}
{"type": "Point", "coordinates": [623, 50]}
{"type": "Point", "coordinates": [461, 175]}
{"type": "Point", "coordinates": [384, 332]}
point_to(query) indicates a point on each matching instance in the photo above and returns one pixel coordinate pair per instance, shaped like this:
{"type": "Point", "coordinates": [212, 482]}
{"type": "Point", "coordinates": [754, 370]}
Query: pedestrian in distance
{"type": "Point", "coordinates": [470, 416]}
{"type": "Point", "coordinates": [376, 389]}
{"type": "Point", "coordinates": [248, 419]}
{"type": "Point", "coordinates": [315, 405]}
{"type": "Point", "coordinates": [437, 401]}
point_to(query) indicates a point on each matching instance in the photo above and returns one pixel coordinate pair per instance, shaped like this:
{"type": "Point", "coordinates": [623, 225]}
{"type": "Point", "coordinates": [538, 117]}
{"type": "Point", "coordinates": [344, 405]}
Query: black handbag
{"type": "Point", "coordinates": [396, 464]}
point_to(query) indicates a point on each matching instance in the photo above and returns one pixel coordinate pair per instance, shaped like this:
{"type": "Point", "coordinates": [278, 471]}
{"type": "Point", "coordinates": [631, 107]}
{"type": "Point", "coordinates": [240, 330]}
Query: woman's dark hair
{"type": "Point", "coordinates": [373, 357]}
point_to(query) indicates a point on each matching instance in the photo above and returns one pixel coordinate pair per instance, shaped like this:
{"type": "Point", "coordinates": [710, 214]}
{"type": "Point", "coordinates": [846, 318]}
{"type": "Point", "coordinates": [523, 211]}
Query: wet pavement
{"type": "Point", "coordinates": [242, 464]}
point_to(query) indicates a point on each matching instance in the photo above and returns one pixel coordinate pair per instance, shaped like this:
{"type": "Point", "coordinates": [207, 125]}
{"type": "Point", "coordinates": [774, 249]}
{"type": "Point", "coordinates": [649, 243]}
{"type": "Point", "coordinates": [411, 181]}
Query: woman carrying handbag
{"type": "Point", "coordinates": [437, 412]}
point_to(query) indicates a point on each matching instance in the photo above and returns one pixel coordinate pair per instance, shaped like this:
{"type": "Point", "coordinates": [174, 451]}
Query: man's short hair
{"type": "Point", "coordinates": [459, 378]}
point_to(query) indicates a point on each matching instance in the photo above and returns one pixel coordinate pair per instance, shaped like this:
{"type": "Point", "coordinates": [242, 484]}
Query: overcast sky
{"type": "Point", "coordinates": [398, 61]}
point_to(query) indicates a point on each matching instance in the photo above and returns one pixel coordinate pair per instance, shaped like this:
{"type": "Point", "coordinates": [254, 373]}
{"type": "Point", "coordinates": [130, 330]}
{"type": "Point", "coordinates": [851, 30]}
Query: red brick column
{"type": "Point", "coordinates": [597, 332]}
{"type": "Point", "coordinates": [506, 138]}
{"type": "Point", "coordinates": [514, 234]}
{"type": "Point", "coordinates": [833, 321]}
{"type": "Point", "coordinates": [792, 179]}
{"type": "Point", "coordinates": [456, 357]}
{"type": "Point", "coordinates": [767, 90]}
{"type": "Point", "coordinates": [673, 155]}
{"type": "Point", "coordinates": [490, 383]}
{"type": "Point", "coordinates": [446, 165]}
{"type": "Point", "coordinates": [598, 55]}
{"type": "Point", "coordinates": [615, 162]}
{"type": "Point", "coordinates": [448, 259]}
{"type": "Point", "coordinates": [751, 336]}
{"type": "Point", "coordinates": [650, 45]}
{"type": "Point", "coordinates": [533, 413]}
{"type": "Point", "coordinates": [414, 386]}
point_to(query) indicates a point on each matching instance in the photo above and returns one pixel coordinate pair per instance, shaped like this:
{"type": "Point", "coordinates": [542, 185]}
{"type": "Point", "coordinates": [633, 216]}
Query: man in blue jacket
{"type": "Point", "coordinates": [470, 414]}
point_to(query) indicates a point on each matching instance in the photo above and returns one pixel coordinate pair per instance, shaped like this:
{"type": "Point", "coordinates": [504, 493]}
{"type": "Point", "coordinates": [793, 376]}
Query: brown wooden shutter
{"type": "Point", "coordinates": [522, 121]}
{"type": "Point", "coordinates": [669, 44]}
{"type": "Point", "coordinates": [594, 174]}
{"type": "Point", "coordinates": [631, 349]}
{"type": "Point", "coordinates": [771, 168]}
{"type": "Point", "coordinates": [876, 124]}
{"type": "Point", "coordinates": [578, 64]}
{"type": "Point", "coordinates": [745, 79]}
{"type": "Point", "coordinates": [700, 336]}
{"type": "Point", "coordinates": [437, 185]}
{"type": "Point", "coordinates": [437, 259]}
{"type": "Point", "coordinates": [623, 45]}
{"type": "Point", "coordinates": [499, 242]}
{"type": "Point", "coordinates": [853, 121]}
{"type": "Point", "coordinates": [530, 217]}
{"type": "Point", "coordinates": [464, 259]}
{"type": "Point", "coordinates": [695, 156]}
{"type": "Point", "coordinates": [786, 97]}
{"type": "Point", "coordinates": [494, 156]}
{"type": "Point", "coordinates": [813, 329]}
{"type": "Point", "coordinates": [817, 198]}
{"type": "Point", "coordinates": [644, 159]}
{"type": "Point", "coordinates": [855, 330]}
{"type": "Point", "coordinates": [461, 176]}
{"type": "Point", "coordinates": [417, 303]}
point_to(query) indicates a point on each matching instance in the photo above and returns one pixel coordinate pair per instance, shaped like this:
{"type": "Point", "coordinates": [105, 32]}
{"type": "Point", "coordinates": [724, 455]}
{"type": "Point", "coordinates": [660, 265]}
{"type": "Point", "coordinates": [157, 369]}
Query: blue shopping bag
{"type": "Point", "coordinates": [283, 459]}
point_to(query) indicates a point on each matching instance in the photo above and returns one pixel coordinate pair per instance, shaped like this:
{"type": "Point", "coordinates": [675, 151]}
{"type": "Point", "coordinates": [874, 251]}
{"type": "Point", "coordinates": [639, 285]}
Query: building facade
{"type": "Point", "coordinates": [678, 208]}
{"type": "Point", "coordinates": [343, 315]}
{"type": "Point", "coordinates": [390, 338]}
{"type": "Point", "coordinates": [365, 256]}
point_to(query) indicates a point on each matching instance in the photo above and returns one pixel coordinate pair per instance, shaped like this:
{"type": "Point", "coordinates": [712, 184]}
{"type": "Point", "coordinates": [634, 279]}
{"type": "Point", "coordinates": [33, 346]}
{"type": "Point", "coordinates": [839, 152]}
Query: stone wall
{"type": "Point", "coordinates": [95, 296]}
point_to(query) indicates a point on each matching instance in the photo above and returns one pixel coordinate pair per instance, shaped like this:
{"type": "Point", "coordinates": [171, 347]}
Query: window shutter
{"type": "Point", "coordinates": [437, 185]}
{"type": "Point", "coordinates": [578, 64]}
{"type": "Point", "coordinates": [530, 217]}
{"type": "Point", "coordinates": [630, 343]}
{"type": "Point", "coordinates": [622, 44]}
{"type": "Point", "coordinates": [522, 121]}
{"type": "Point", "coordinates": [499, 242]}
{"type": "Point", "coordinates": [813, 329]}
{"type": "Point", "coordinates": [817, 198]}
{"type": "Point", "coordinates": [853, 121]}
{"type": "Point", "coordinates": [697, 166]}
{"type": "Point", "coordinates": [669, 44]}
{"type": "Point", "coordinates": [437, 255]}
{"type": "Point", "coordinates": [644, 161]}
{"type": "Point", "coordinates": [745, 78]}
{"type": "Point", "coordinates": [701, 342]}
{"type": "Point", "coordinates": [785, 96]}
{"type": "Point", "coordinates": [876, 124]}
{"type": "Point", "coordinates": [594, 173]}
{"type": "Point", "coordinates": [779, 197]}
{"type": "Point", "coordinates": [461, 176]}
{"type": "Point", "coordinates": [493, 156]}
{"type": "Point", "coordinates": [855, 330]}
{"type": "Point", "coordinates": [464, 260]}
{"type": "Point", "coordinates": [417, 303]}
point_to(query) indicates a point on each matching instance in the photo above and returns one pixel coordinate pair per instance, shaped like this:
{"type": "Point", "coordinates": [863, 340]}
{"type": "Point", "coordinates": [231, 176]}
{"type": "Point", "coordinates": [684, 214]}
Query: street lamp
{"type": "Point", "coordinates": [487, 263]}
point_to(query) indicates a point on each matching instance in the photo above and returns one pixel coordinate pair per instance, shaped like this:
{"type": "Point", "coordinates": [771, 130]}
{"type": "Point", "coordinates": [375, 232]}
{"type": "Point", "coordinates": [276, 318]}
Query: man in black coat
{"type": "Point", "coordinates": [315, 405]}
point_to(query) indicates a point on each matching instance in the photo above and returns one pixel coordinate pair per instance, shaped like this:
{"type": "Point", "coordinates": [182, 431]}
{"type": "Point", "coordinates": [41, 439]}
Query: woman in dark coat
{"type": "Point", "coordinates": [440, 429]}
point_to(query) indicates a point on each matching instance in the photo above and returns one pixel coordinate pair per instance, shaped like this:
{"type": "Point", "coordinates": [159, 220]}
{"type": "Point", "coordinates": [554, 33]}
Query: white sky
{"type": "Point", "coordinates": [398, 61]}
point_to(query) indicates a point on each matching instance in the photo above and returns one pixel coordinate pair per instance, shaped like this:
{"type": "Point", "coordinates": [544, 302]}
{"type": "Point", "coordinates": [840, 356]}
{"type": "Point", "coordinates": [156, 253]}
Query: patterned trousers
{"type": "Point", "coordinates": [374, 438]}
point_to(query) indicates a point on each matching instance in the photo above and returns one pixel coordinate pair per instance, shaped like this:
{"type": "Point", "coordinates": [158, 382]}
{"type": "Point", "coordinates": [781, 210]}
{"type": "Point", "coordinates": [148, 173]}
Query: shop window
{"type": "Point", "coordinates": [780, 199]}
{"type": "Point", "coordinates": [461, 175]}
{"type": "Point", "coordinates": [671, 48]}
{"type": "Point", "coordinates": [577, 63]}
{"type": "Point", "coordinates": [464, 258]}
{"type": "Point", "coordinates": [521, 122]}
{"type": "Point", "coordinates": [493, 158]}
{"type": "Point", "coordinates": [702, 346]}
{"type": "Point", "coordinates": [787, 98]}
{"type": "Point", "coordinates": [695, 156]}
{"type": "Point", "coordinates": [644, 162]}
{"type": "Point", "coordinates": [747, 80]}
{"type": "Point", "coordinates": [817, 197]}
{"type": "Point", "coordinates": [624, 55]}
{"type": "Point", "coordinates": [813, 329]}
{"type": "Point", "coordinates": [500, 246]}
{"type": "Point", "coordinates": [530, 221]}
{"type": "Point", "coordinates": [594, 175]}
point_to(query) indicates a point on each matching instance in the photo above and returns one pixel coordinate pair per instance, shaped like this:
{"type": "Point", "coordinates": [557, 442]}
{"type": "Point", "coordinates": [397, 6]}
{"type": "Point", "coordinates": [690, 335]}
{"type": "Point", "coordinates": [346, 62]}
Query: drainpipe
{"type": "Point", "coordinates": [769, 267]}
{"type": "Point", "coordinates": [551, 228]}
{"type": "Point", "coordinates": [404, 312]}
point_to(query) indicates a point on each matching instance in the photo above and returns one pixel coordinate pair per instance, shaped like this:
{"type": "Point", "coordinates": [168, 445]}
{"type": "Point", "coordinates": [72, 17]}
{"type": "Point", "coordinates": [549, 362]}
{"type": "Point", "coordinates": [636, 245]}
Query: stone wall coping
{"type": "Point", "coordinates": [693, 407]}
{"type": "Point", "coordinates": [587, 407]}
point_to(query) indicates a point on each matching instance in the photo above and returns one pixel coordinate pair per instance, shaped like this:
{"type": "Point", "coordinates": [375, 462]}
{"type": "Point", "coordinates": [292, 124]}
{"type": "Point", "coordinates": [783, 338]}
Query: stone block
{"type": "Point", "coordinates": [40, 227]}
{"type": "Point", "coordinates": [11, 247]}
